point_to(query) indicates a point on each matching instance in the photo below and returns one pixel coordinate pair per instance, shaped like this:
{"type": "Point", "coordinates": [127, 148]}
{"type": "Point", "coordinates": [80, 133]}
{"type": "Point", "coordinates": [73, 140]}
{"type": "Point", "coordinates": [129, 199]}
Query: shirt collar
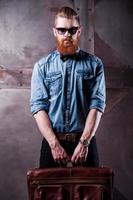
{"type": "Point", "coordinates": [66, 57]}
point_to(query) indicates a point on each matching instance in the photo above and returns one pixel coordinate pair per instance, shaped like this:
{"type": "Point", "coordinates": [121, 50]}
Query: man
{"type": "Point", "coordinates": [68, 97]}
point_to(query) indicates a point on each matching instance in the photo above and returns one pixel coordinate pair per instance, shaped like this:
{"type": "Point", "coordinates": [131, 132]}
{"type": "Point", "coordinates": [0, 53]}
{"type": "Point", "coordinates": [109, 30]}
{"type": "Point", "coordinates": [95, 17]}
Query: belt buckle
{"type": "Point", "coordinates": [70, 137]}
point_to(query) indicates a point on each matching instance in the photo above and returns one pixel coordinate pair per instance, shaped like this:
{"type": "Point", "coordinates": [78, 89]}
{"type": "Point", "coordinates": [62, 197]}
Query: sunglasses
{"type": "Point", "coordinates": [71, 31]}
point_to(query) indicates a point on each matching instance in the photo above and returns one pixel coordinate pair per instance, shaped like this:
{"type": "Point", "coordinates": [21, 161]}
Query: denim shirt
{"type": "Point", "coordinates": [68, 89]}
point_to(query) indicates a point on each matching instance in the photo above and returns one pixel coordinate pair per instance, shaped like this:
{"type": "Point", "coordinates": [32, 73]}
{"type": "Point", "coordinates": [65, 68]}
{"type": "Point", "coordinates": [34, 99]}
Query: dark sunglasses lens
{"type": "Point", "coordinates": [61, 31]}
{"type": "Point", "coordinates": [73, 30]}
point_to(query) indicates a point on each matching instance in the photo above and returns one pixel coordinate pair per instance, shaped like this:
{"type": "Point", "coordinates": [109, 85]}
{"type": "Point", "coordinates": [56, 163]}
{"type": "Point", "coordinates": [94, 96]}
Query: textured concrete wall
{"type": "Point", "coordinates": [19, 143]}
{"type": "Point", "coordinates": [25, 32]}
{"type": "Point", "coordinates": [115, 145]}
{"type": "Point", "coordinates": [114, 44]}
{"type": "Point", "coordinates": [25, 36]}
{"type": "Point", "coordinates": [114, 32]}
{"type": "Point", "coordinates": [25, 26]}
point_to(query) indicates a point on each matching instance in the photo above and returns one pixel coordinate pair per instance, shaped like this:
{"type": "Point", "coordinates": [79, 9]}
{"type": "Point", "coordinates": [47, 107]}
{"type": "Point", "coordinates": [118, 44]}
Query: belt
{"type": "Point", "coordinates": [69, 137]}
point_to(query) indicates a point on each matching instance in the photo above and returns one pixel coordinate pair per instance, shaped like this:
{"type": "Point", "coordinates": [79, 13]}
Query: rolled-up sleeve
{"type": "Point", "coordinates": [98, 89]}
{"type": "Point", "coordinates": [39, 97]}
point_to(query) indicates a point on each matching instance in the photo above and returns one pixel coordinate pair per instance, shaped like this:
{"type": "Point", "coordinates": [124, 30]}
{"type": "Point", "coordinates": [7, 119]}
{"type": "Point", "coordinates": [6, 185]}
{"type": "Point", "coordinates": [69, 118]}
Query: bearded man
{"type": "Point", "coordinates": [68, 97]}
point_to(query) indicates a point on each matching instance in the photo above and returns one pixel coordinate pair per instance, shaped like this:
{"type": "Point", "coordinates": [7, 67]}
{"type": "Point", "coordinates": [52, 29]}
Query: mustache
{"type": "Point", "coordinates": [67, 39]}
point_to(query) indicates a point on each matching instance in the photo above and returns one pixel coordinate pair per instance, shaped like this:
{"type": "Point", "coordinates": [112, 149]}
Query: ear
{"type": "Point", "coordinates": [54, 32]}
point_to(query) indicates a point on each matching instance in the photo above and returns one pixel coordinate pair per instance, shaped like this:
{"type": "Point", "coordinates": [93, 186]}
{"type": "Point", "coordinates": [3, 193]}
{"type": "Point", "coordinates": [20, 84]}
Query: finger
{"type": "Point", "coordinates": [85, 158]}
{"type": "Point", "coordinates": [82, 160]}
{"type": "Point", "coordinates": [56, 160]}
{"type": "Point", "coordinates": [68, 158]}
{"type": "Point", "coordinates": [73, 159]}
{"type": "Point", "coordinates": [76, 160]}
{"type": "Point", "coordinates": [64, 161]}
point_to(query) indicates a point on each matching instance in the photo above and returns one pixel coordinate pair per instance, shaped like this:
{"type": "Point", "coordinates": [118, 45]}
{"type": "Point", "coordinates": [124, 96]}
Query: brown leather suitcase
{"type": "Point", "coordinates": [70, 183]}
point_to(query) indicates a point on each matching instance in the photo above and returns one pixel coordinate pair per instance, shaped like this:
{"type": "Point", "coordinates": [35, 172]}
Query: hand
{"type": "Point", "coordinates": [80, 154]}
{"type": "Point", "coordinates": [59, 154]}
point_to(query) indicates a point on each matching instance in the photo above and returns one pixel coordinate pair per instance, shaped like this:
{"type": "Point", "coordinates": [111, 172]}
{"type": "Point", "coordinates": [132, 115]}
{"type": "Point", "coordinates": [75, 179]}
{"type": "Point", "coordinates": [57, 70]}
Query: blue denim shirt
{"type": "Point", "coordinates": [68, 89]}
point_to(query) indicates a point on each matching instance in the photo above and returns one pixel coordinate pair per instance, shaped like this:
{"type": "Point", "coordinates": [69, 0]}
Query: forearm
{"type": "Point", "coordinates": [45, 127]}
{"type": "Point", "coordinates": [91, 124]}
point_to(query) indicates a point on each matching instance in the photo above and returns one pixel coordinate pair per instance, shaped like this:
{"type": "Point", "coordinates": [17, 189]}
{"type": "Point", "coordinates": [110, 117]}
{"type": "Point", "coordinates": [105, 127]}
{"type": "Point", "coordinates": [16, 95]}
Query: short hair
{"type": "Point", "coordinates": [68, 13]}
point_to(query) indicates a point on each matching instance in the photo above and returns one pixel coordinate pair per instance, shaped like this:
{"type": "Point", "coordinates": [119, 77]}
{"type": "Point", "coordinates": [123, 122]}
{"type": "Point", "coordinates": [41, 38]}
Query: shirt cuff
{"type": "Point", "coordinates": [37, 108]}
{"type": "Point", "coordinates": [98, 105]}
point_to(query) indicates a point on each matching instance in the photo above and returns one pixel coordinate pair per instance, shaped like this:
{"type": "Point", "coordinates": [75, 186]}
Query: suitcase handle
{"type": "Point", "coordinates": [69, 164]}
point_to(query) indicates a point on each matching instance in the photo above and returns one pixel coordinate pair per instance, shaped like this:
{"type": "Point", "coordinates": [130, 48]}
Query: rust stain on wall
{"type": "Point", "coordinates": [109, 56]}
{"type": "Point", "coordinates": [15, 78]}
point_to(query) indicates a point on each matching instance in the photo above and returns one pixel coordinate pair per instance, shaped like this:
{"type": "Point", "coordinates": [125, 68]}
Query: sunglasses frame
{"type": "Point", "coordinates": [72, 31]}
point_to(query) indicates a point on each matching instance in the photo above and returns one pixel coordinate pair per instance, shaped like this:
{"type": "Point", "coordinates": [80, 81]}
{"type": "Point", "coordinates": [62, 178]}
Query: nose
{"type": "Point", "coordinates": [67, 34]}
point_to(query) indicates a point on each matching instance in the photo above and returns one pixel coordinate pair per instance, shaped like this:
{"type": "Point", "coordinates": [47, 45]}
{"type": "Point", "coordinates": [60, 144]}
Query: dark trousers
{"type": "Point", "coordinates": [46, 158]}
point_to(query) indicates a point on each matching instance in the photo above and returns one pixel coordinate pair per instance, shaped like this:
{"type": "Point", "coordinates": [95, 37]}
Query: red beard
{"type": "Point", "coordinates": [67, 46]}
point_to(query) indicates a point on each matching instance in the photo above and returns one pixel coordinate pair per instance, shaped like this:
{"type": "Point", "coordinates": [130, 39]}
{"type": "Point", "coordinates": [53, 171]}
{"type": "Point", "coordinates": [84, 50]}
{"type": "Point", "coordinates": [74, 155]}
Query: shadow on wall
{"type": "Point", "coordinates": [117, 195]}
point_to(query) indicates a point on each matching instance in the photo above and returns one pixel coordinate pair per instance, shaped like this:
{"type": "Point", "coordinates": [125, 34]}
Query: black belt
{"type": "Point", "coordinates": [69, 137]}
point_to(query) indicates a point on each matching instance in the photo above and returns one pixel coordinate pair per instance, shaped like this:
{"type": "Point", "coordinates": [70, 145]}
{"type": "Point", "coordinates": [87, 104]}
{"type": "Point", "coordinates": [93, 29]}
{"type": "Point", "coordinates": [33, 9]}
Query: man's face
{"type": "Point", "coordinates": [67, 33]}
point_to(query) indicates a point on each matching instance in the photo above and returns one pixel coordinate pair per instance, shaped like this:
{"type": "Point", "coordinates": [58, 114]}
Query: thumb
{"type": "Point", "coordinates": [73, 158]}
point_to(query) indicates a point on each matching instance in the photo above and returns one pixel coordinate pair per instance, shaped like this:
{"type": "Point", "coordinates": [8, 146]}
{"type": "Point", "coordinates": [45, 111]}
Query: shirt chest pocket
{"type": "Point", "coordinates": [84, 80]}
{"type": "Point", "coordinates": [54, 83]}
